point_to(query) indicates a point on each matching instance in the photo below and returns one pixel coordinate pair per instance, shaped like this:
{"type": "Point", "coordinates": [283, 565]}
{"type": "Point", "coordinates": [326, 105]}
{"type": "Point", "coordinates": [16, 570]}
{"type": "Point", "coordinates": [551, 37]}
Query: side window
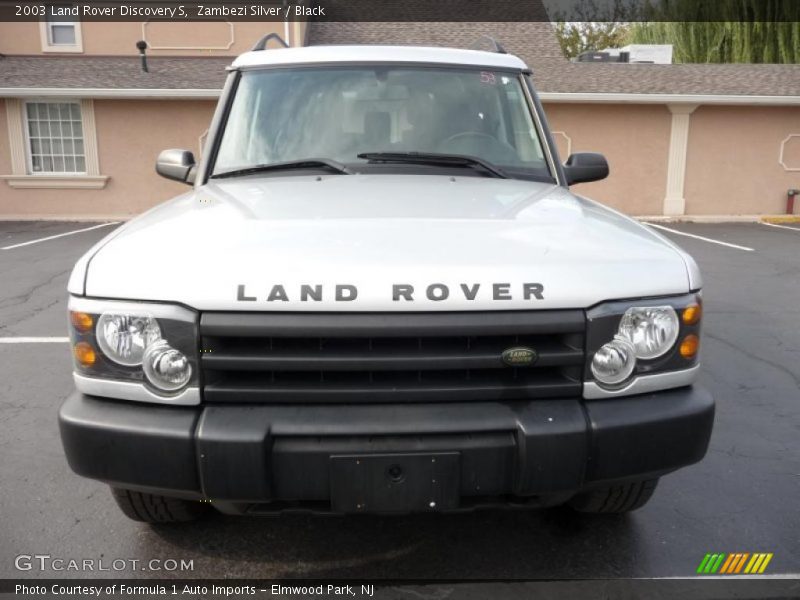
{"type": "Point", "coordinates": [55, 138]}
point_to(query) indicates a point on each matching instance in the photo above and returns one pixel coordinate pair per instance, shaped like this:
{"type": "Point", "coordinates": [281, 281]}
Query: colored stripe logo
{"type": "Point", "coordinates": [737, 563]}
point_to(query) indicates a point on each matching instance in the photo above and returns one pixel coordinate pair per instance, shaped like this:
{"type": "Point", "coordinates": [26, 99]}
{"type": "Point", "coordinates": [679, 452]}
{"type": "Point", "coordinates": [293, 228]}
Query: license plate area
{"type": "Point", "coordinates": [394, 483]}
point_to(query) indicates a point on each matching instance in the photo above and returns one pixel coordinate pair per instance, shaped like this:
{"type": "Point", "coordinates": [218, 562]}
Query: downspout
{"type": "Point", "coordinates": [286, 28]}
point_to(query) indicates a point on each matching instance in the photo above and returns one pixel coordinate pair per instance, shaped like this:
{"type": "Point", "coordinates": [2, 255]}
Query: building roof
{"type": "Point", "coordinates": [174, 76]}
{"type": "Point", "coordinates": [694, 79]}
{"type": "Point", "coordinates": [534, 42]}
{"type": "Point", "coordinates": [556, 77]}
{"type": "Point", "coordinates": [531, 41]}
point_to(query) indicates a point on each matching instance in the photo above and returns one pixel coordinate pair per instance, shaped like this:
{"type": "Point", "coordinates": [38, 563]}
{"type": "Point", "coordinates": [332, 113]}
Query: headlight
{"type": "Point", "coordinates": [124, 337]}
{"type": "Point", "coordinates": [652, 330]}
{"type": "Point", "coordinates": [135, 350]}
{"type": "Point", "coordinates": [613, 363]}
{"type": "Point", "coordinates": [627, 342]}
{"type": "Point", "coordinates": [166, 368]}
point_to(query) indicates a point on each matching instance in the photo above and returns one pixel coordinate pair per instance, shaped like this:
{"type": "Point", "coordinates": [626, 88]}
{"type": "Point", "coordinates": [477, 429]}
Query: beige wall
{"type": "Point", "coordinates": [733, 160]}
{"type": "Point", "coordinates": [195, 38]}
{"type": "Point", "coordinates": [634, 139]}
{"type": "Point", "coordinates": [130, 134]}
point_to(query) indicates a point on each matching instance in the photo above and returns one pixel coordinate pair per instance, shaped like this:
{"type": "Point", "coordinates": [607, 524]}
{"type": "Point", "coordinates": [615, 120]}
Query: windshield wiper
{"type": "Point", "coordinates": [435, 158]}
{"type": "Point", "coordinates": [305, 163]}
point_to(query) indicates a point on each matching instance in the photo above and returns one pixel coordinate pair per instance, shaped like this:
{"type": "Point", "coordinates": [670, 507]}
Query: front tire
{"type": "Point", "coordinates": [616, 499]}
{"type": "Point", "coordinates": [150, 508]}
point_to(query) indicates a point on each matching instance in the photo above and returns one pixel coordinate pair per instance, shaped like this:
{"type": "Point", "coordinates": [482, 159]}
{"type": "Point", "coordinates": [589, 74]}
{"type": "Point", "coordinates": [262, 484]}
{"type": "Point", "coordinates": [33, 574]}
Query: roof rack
{"type": "Point", "coordinates": [262, 43]}
{"type": "Point", "coordinates": [496, 46]}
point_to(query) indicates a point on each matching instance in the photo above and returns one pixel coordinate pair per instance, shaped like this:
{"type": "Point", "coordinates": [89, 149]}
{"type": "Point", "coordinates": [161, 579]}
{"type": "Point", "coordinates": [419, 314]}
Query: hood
{"type": "Point", "coordinates": [383, 243]}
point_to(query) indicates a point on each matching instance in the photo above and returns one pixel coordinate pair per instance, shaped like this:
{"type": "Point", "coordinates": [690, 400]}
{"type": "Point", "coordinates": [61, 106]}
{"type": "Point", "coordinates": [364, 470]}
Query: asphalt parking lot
{"type": "Point", "coordinates": [742, 498]}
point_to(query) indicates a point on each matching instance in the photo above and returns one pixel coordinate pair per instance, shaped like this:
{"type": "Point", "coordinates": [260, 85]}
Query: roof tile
{"type": "Point", "coordinates": [112, 72]}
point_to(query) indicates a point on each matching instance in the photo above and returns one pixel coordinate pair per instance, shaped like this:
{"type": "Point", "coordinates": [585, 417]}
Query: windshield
{"type": "Point", "coordinates": [283, 115]}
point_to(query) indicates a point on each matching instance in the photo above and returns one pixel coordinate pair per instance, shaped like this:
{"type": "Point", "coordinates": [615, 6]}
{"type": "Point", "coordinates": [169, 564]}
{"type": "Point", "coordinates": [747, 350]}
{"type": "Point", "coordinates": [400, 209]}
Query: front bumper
{"type": "Point", "coordinates": [249, 458]}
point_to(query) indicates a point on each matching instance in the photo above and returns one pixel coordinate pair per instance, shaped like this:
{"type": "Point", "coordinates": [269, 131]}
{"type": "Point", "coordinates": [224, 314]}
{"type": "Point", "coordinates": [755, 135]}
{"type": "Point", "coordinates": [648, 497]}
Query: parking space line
{"type": "Point", "coordinates": [34, 340]}
{"type": "Point", "coordinates": [797, 229]}
{"type": "Point", "coordinates": [700, 237]}
{"type": "Point", "coordinates": [52, 237]}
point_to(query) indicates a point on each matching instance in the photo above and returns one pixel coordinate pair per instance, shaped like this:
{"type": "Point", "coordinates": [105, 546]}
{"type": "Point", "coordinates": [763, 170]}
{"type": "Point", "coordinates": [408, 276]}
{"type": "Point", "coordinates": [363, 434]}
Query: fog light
{"type": "Point", "coordinates": [166, 368]}
{"type": "Point", "coordinates": [613, 363]}
{"type": "Point", "coordinates": [84, 354]}
{"type": "Point", "coordinates": [692, 314]}
{"type": "Point", "coordinates": [81, 321]}
{"type": "Point", "coordinates": [689, 346]}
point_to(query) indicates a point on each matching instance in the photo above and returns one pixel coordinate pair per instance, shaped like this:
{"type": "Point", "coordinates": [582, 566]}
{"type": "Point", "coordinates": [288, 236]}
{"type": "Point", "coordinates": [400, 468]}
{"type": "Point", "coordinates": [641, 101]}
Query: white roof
{"type": "Point", "coordinates": [380, 54]}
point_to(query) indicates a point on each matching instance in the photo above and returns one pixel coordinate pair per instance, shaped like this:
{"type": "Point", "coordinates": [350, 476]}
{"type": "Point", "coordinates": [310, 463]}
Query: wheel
{"type": "Point", "coordinates": [616, 499]}
{"type": "Point", "coordinates": [150, 508]}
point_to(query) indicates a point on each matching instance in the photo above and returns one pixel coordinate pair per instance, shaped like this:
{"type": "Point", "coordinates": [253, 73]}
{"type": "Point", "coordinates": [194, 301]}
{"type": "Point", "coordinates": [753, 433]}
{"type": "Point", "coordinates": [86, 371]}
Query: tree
{"type": "Point", "coordinates": [745, 31]}
{"type": "Point", "coordinates": [589, 25]}
{"type": "Point", "coordinates": [585, 36]}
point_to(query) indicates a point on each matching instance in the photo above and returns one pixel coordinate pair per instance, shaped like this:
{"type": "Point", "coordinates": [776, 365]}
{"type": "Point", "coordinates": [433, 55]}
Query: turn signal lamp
{"type": "Point", "coordinates": [84, 354]}
{"type": "Point", "coordinates": [692, 314]}
{"type": "Point", "coordinates": [689, 346]}
{"type": "Point", "coordinates": [81, 321]}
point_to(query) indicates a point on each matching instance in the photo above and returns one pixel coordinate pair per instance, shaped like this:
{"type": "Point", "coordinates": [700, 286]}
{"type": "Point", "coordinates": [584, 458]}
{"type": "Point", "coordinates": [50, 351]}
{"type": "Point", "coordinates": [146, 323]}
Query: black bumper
{"type": "Point", "coordinates": [520, 451]}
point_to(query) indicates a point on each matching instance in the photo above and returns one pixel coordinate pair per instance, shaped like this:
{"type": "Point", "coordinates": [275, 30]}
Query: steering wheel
{"type": "Point", "coordinates": [467, 142]}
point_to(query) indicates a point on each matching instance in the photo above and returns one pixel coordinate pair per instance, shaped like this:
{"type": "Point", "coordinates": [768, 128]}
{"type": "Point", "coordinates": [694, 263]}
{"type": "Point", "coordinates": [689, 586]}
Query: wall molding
{"type": "Point", "coordinates": [782, 157]}
{"type": "Point", "coordinates": [674, 200]}
{"type": "Point", "coordinates": [50, 182]}
{"type": "Point", "coordinates": [569, 142]}
{"type": "Point", "coordinates": [90, 138]}
{"type": "Point", "coordinates": [16, 136]}
{"type": "Point", "coordinates": [144, 93]}
{"type": "Point", "coordinates": [623, 98]}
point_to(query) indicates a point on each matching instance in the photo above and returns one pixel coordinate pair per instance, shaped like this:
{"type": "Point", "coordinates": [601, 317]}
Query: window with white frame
{"type": "Point", "coordinates": [55, 138]}
{"type": "Point", "coordinates": [59, 34]}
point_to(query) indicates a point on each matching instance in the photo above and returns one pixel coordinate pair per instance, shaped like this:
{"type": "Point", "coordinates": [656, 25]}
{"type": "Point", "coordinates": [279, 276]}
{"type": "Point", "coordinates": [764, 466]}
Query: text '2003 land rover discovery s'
{"type": "Point", "coordinates": [380, 296]}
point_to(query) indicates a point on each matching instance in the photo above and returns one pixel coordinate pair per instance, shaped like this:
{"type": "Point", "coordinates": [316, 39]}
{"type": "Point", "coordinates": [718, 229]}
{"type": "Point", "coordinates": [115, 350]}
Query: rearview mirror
{"type": "Point", "coordinates": [582, 167]}
{"type": "Point", "coordinates": [177, 165]}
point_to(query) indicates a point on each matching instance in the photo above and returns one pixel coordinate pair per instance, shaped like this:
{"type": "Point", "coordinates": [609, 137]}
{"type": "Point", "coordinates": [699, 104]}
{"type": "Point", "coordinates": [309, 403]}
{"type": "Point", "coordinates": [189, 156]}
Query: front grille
{"type": "Point", "coordinates": [371, 358]}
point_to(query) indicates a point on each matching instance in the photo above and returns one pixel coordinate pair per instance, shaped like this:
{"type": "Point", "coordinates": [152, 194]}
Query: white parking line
{"type": "Point", "coordinates": [52, 237]}
{"type": "Point", "coordinates": [34, 340]}
{"type": "Point", "coordinates": [797, 229]}
{"type": "Point", "coordinates": [700, 237]}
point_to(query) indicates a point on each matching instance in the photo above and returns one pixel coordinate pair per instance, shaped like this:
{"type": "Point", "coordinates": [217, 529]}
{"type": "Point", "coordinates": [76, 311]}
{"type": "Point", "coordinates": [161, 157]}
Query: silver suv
{"type": "Point", "coordinates": [380, 296]}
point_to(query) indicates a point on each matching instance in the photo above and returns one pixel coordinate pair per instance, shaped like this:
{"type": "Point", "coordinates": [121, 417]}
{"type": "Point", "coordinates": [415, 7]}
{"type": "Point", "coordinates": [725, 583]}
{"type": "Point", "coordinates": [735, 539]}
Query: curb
{"type": "Point", "coordinates": [781, 219]}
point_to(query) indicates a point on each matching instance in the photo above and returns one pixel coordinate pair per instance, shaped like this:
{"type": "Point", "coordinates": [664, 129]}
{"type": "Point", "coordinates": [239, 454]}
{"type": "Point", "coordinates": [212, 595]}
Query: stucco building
{"type": "Point", "coordinates": [81, 123]}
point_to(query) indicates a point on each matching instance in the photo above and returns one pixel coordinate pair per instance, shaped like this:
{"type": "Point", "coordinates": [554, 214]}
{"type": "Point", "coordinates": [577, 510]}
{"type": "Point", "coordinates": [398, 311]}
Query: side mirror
{"type": "Point", "coordinates": [585, 166]}
{"type": "Point", "coordinates": [177, 165]}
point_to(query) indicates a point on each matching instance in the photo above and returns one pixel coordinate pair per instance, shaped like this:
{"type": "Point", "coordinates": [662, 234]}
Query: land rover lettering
{"type": "Point", "coordinates": [400, 292]}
